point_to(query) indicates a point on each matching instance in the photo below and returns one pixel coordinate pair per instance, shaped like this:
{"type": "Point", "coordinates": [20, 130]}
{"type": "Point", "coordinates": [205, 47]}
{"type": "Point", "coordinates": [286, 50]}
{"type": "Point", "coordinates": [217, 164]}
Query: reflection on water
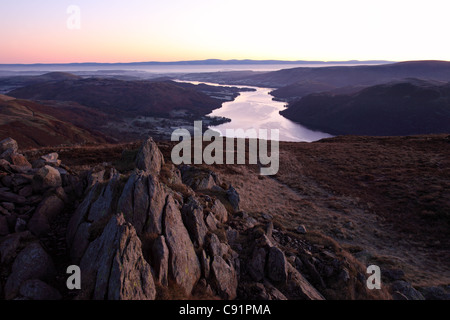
{"type": "Point", "coordinates": [257, 110]}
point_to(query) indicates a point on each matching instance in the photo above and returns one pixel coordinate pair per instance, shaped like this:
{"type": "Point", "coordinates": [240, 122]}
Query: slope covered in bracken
{"type": "Point", "coordinates": [35, 125]}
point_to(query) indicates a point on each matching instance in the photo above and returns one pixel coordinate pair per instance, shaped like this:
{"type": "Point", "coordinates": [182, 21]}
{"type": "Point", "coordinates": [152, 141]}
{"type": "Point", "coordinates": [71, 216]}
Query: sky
{"type": "Point", "coordinates": [45, 31]}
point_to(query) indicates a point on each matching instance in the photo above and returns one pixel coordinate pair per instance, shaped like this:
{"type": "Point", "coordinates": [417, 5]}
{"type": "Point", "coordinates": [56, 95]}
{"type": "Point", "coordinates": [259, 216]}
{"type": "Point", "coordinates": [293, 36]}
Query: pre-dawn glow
{"type": "Point", "coordinates": [143, 30]}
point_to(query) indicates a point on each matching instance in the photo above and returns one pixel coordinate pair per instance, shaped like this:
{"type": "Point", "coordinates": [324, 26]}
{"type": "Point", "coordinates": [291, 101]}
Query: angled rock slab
{"type": "Point", "coordinates": [184, 266]}
{"type": "Point", "coordinates": [113, 266]}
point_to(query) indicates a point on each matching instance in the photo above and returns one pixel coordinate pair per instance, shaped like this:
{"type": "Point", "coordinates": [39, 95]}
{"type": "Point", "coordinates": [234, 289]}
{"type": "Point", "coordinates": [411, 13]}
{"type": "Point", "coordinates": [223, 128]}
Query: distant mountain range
{"type": "Point", "coordinates": [205, 62]}
{"type": "Point", "coordinates": [331, 77]}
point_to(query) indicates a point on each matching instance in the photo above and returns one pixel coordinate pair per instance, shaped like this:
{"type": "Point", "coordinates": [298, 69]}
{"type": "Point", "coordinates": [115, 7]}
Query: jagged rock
{"type": "Point", "coordinates": [184, 266]}
{"type": "Point", "coordinates": [11, 244]}
{"type": "Point", "coordinates": [198, 178]}
{"type": "Point", "coordinates": [103, 206]}
{"type": "Point", "coordinates": [45, 178]}
{"type": "Point", "coordinates": [273, 293]}
{"type": "Point", "coordinates": [8, 143]}
{"type": "Point", "coordinates": [149, 157]}
{"type": "Point", "coordinates": [233, 198]}
{"type": "Point", "coordinates": [4, 230]}
{"type": "Point", "coordinates": [133, 201]}
{"type": "Point", "coordinates": [19, 160]}
{"type": "Point", "coordinates": [160, 259]}
{"type": "Point", "coordinates": [80, 242]}
{"type": "Point", "coordinates": [205, 263]}
{"type": "Point", "coordinates": [257, 263]}
{"type": "Point", "coordinates": [277, 265]}
{"type": "Point", "coordinates": [192, 212]}
{"type": "Point", "coordinates": [113, 265]}
{"type": "Point", "coordinates": [157, 197]}
{"type": "Point", "coordinates": [407, 290]}
{"type": "Point", "coordinates": [217, 248]}
{"type": "Point", "coordinates": [45, 213]}
{"type": "Point", "coordinates": [31, 263]}
{"type": "Point", "coordinates": [173, 175]}
{"type": "Point", "coordinates": [96, 175]}
{"type": "Point", "coordinates": [232, 236]}
{"type": "Point", "coordinates": [80, 214]}
{"type": "Point", "coordinates": [211, 222]}
{"type": "Point", "coordinates": [204, 289]}
{"type": "Point", "coordinates": [39, 290]}
{"type": "Point", "coordinates": [142, 202]}
{"type": "Point", "coordinates": [299, 287]}
{"type": "Point", "coordinates": [224, 278]}
{"type": "Point", "coordinates": [219, 211]}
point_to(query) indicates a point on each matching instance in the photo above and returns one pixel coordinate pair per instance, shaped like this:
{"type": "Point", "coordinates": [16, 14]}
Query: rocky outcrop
{"type": "Point", "coordinates": [114, 267]}
{"type": "Point", "coordinates": [199, 178]}
{"type": "Point", "coordinates": [149, 157]}
{"type": "Point", "coordinates": [145, 233]}
{"type": "Point", "coordinates": [142, 202]}
{"type": "Point", "coordinates": [195, 221]}
{"type": "Point", "coordinates": [160, 258]}
{"type": "Point", "coordinates": [184, 266]}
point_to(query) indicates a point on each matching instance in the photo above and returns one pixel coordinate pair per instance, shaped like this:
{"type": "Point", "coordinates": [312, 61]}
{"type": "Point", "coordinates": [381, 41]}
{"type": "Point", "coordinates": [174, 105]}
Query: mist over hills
{"type": "Point", "coordinates": [336, 77]}
{"type": "Point", "coordinates": [202, 62]}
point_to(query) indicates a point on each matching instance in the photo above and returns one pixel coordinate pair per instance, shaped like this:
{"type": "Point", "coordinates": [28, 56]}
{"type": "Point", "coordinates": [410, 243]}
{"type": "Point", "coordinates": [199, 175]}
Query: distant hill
{"type": "Point", "coordinates": [304, 80]}
{"type": "Point", "coordinates": [357, 75]}
{"type": "Point", "coordinates": [10, 83]}
{"type": "Point", "coordinates": [397, 108]}
{"type": "Point", "coordinates": [34, 125]}
{"type": "Point", "coordinates": [300, 89]}
{"type": "Point", "coordinates": [122, 98]}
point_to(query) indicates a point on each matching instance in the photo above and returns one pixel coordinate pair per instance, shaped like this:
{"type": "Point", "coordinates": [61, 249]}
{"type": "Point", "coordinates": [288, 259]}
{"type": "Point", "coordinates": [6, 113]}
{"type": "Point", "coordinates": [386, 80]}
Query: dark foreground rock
{"type": "Point", "coordinates": [154, 232]}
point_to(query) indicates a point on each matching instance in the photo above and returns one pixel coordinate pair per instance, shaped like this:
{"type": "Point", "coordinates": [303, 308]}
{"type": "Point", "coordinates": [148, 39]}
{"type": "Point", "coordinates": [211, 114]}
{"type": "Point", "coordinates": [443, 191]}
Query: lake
{"type": "Point", "coordinates": [257, 110]}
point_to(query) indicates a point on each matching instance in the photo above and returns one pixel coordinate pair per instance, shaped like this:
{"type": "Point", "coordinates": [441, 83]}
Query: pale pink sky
{"type": "Point", "coordinates": [34, 31]}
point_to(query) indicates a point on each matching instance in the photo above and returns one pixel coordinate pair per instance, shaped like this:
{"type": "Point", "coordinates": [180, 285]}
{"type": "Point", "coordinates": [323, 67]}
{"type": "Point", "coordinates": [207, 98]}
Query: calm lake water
{"type": "Point", "coordinates": [257, 110]}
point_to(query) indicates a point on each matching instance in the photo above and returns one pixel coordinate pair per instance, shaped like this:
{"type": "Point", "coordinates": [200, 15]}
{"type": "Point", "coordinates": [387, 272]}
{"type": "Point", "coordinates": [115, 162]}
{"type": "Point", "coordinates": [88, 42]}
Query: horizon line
{"type": "Point", "coordinates": [212, 61]}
